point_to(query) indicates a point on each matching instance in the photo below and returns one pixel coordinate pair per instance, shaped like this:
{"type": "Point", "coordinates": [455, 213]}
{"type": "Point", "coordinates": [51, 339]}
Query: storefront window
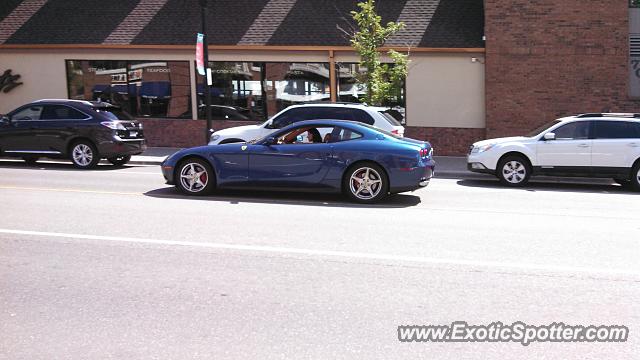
{"type": "Point", "coordinates": [296, 83]}
{"type": "Point", "coordinates": [257, 90]}
{"type": "Point", "coordinates": [142, 88]}
{"type": "Point", "coordinates": [236, 93]}
{"type": "Point", "coordinates": [349, 90]}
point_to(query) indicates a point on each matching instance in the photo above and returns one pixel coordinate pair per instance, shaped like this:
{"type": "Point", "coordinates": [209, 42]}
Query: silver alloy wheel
{"type": "Point", "coordinates": [82, 154]}
{"type": "Point", "coordinates": [194, 177]}
{"type": "Point", "coordinates": [638, 176]}
{"type": "Point", "coordinates": [514, 171]}
{"type": "Point", "coordinates": [365, 183]}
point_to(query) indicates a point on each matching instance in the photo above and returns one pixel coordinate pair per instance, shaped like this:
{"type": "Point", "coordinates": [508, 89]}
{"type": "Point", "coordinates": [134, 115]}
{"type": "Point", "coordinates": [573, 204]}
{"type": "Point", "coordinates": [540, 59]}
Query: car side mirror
{"type": "Point", "coordinates": [270, 125]}
{"type": "Point", "coordinates": [549, 136]}
{"type": "Point", "coordinates": [271, 140]}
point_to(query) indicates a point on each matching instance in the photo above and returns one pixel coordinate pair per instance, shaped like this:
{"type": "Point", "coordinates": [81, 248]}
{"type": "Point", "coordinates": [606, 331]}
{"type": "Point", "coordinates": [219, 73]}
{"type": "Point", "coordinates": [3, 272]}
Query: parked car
{"type": "Point", "coordinates": [225, 112]}
{"type": "Point", "coordinates": [82, 131]}
{"type": "Point", "coordinates": [587, 145]}
{"type": "Point", "coordinates": [362, 161]}
{"type": "Point", "coordinates": [382, 118]}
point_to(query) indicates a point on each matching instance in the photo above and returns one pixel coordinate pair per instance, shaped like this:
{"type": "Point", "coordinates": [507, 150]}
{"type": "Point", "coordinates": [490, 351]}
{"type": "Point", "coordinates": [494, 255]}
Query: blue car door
{"type": "Point", "coordinates": [289, 165]}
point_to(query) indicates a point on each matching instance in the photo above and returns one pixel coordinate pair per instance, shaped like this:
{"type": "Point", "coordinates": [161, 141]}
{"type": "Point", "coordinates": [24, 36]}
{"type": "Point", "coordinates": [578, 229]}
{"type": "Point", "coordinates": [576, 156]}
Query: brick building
{"type": "Point", "coordinates": [540, 60]}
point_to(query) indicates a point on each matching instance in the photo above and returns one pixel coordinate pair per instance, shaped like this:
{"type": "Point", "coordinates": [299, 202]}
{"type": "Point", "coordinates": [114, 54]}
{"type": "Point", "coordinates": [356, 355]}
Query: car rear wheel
{"type": "Point", "coordinates": [635, 177]}
{"type": "Point", "coordinates": [366, 183]}
{"type": "Point", "coordinates": [119, 160]}
{"type": "Point", "coordinates": [195, 177]}
{"type": "Point", "coordinates": [84, 155]}
{"type": "Point", "coordinates": [513, 171]}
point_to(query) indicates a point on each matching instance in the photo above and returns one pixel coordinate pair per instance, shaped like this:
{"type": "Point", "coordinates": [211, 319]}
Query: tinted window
{"type": "Point", "coordinates": [362, 116]}
{"type": "Point", "coordinates": [616, 130]}
{"type": "Point", "coordinates": [289, 117]}
{"type": "Point", "coordinates": [28, 113]}
{"type": "Point", "coordinates": [394, 117]}
{"type": "Point", "coordinates": [61, 112]}
{"type": "Point", "coordinates": [113, 113]}
{"type": "Point", "coordinates": [575, 130]}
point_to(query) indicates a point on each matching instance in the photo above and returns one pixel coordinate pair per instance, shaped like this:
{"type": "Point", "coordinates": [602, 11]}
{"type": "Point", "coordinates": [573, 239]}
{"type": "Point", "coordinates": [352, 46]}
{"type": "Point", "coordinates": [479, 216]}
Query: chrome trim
{"type": "Point", "coordinates": [32, 152]}
{"type": "Point", "coordinates": [127, 140]}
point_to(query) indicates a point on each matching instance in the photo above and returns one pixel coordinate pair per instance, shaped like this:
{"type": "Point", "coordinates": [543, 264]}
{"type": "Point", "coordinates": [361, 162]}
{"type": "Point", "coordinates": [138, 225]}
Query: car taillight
{"type": "Point", "coordinates": [395, 132]}
{"type": "Point", "coordinates": [426, 152]}
{"type": "Point", "coordinates": [113, 125]}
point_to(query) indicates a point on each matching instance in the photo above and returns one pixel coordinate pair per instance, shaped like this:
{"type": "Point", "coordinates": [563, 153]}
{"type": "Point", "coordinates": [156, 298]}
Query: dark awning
{"type": "Point", "coordinates": [101, 88]}
{"type": "Point", "coordinates": [155, 89]}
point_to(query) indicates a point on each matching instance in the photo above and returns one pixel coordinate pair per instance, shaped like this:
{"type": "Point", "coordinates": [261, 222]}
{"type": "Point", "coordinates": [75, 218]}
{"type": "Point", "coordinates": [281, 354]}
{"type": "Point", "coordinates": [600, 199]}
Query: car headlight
{"type": "Point", "coordinates": [483, 148]}
{"type": "Point", "coordinates": [215, 137]}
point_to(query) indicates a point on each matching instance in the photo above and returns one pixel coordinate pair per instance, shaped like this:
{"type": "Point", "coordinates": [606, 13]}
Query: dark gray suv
{"type": "Point", "coordinates": [82, 131]}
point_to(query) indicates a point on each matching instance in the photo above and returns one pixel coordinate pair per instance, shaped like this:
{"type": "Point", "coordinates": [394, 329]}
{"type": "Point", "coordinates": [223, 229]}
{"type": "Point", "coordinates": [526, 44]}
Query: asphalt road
{"type": "Point", "coordinates": [113, 263]}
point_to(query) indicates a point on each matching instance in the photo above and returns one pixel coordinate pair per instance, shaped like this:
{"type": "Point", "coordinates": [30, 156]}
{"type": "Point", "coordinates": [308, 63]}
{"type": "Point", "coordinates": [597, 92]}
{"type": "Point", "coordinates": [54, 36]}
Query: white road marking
{"type": "Point", "coordinates": [333, 253]}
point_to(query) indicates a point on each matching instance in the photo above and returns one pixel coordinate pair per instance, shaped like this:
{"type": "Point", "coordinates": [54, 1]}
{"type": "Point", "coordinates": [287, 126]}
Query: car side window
{"type": "Point", "coordinates": [61, 112]}
{"type": "Point", "coordinates": [306, 135]}
{"type": "Point", "coordinates": [289, 117]}
{"type": "Point", "coordinates": [29, 113]}
{"type": "Point", "coordinates": [361, 116]}
{"type": "Point", "coordinates": [573, 131]}
{"type": "Point", "coordinates": [616, 130]}
{"type": "Point", "coordinates": [346, 134]}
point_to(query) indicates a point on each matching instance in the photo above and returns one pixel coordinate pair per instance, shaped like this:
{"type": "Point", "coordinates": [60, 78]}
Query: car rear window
{"type": "Point", "coordinates": [113, 113]}
{"type": "Point", "coordinates": [394, 117]}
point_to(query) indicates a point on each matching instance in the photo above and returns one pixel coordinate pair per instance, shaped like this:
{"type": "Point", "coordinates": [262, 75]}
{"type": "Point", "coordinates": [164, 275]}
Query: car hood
{"type": "Point", "coordinates": [237, 130]}
{"type": "Point", "coordinates": [497, 141]}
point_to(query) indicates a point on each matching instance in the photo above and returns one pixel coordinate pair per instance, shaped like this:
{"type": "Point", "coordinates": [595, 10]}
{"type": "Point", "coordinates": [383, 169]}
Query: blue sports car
{"type": "Point", "coordinates": [363, 162]}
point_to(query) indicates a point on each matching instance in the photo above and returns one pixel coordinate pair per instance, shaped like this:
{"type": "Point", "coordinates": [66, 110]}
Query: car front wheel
{"type": "Point", "coordinates": [195, 177]}
{"type": "Point", "coordinates": [513, 171]}
{"type": "Point", "coordinates": [366, 183]}
{"type": "Point", "coordinates": [84, 155]}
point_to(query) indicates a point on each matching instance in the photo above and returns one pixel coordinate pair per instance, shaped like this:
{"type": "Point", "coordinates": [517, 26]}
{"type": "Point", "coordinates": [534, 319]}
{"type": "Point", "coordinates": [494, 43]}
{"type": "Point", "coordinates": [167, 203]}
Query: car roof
{"type": "Point", "coordinates": [75, 102]}
{"type": "Point", "coordinates": [337, 104]}
{"type": "Point", "coordinates": [603, 116]}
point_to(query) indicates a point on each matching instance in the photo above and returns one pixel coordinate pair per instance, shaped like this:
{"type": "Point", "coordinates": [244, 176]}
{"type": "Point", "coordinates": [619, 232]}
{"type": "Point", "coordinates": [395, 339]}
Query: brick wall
{"type": "Point", "coordinates": [548, 58]}
{"type": "Point", "coordinates": [187, 133]}
{"type": "Point", "coordinates": [447, 141]}
{"type": "Point", "coordinates": [182, 133]}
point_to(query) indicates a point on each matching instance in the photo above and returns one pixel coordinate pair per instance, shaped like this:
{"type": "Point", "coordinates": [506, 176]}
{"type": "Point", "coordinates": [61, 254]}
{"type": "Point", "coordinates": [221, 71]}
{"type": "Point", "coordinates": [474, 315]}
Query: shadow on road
{"type": "Point", "coordinates": [596, 186]}
{"type": "Point", "coordinates": [60, 166]}
{"type": "Point", "coordinates": [290, 198]}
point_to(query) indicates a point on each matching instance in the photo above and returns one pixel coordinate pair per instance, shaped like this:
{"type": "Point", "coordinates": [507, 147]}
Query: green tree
{"type": "Point", "coordinates": [383, 82]}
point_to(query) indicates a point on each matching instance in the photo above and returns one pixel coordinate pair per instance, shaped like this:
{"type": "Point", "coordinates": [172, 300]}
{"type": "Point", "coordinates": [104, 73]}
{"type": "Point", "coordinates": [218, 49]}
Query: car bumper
{"type": "Point", "coordinates": [121, 148]}
{"type": "Point", "coordinates": [412, 178]}
{"type": "Point", "coordinates": [479, 164]}
{"type": "Point", "coordinates": [167, 173]}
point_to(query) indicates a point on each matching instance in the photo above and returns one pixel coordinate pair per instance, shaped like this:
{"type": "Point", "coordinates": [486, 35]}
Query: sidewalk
{"type": "Point", "coordinates": [446, 166]}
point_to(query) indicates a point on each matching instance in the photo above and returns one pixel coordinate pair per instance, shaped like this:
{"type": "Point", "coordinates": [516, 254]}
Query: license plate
{"type": "Point", "coordinates": [133, 133]}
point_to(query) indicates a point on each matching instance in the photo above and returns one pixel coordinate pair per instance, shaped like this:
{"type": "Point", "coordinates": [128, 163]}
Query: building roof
{"type": "Point", "coordinates": [429, 23]}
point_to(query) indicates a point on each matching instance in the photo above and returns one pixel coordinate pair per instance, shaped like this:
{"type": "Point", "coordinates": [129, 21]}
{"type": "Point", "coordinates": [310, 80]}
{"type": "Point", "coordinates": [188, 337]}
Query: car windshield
{"type": "Point", "coordinates": [540, 129]}
{"type": "Point", "coordinates": [113, 113]}
{"type": "Point", "coordinates": [394, 117]}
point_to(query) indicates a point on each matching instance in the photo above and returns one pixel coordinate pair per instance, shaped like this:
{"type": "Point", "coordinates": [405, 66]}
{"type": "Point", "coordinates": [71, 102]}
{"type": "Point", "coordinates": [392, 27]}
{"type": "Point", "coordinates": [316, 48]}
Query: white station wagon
{"type": "Point", "coordinates": [382, 118]}
{"type": "Point", "coordinates": [587, 145]}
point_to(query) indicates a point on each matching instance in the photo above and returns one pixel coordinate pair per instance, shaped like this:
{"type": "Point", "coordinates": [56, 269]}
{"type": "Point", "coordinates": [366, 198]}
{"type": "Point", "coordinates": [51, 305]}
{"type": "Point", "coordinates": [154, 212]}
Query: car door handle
{"type": "Point", "coordinates": [634, 145]}
{"type": "Point", "coordinates": [583, 145]}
